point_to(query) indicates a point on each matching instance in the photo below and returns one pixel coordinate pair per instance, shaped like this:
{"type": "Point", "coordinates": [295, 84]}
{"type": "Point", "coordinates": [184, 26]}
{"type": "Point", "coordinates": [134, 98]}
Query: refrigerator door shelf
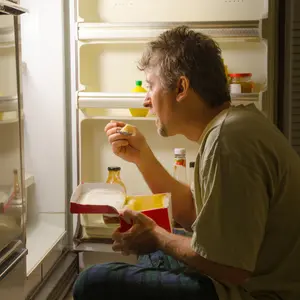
{"type": "Point", "coordinates": [6, 252]}
{"type": "Point", "coordinates": [7, 37]}
{"type": "Point", "coordinates": [12, 262]}
{"type": "Point", "coordinates": [10, 8]}
{"type": "Point", "coordinates": [143, 32]}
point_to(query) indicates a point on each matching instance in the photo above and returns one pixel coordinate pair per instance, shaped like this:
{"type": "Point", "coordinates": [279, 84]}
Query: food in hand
{"type": "Point", "coordinates": [128, 130]}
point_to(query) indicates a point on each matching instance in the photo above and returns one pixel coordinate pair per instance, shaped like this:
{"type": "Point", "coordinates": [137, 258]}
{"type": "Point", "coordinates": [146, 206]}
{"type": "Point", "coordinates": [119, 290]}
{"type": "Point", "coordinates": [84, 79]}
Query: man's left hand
{"type": "Point", "coordinates": [141, 238]}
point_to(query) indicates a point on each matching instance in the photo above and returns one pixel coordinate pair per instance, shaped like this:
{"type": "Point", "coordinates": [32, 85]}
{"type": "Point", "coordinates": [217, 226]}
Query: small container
{"type": "Point", "coordinates": [114, 177]}
{"type": "Point", "coordinates": [241, 83]}
{"type": "Point", "coordinates": [179, 167]}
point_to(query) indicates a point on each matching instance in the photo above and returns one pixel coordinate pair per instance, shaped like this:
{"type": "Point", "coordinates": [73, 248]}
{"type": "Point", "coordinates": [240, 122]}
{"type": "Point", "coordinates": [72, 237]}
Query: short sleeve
{"type": "Point", "coordinates": [230, 227]}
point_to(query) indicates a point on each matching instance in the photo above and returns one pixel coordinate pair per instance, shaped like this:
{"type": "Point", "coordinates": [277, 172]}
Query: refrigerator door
{"type": "Point", "coordinates": [45, 147]}
{"type": "Point", "coordinates": [12, 193]}
{"type": "Point", "coordinates": [12, 183]}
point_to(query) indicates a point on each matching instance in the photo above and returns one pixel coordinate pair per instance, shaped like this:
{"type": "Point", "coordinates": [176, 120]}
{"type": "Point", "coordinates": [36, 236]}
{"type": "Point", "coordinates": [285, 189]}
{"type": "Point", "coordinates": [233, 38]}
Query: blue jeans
{"type": "Point", "coordinates": [156, 276]}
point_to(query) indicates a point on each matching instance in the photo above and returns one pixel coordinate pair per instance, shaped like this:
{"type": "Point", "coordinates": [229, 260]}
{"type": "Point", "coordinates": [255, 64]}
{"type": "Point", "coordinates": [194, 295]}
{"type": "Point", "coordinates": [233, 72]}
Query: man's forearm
{"type": "Point", "coordinates": [160, 181]}
{"type": "Point", "coordinates": [180, 248]}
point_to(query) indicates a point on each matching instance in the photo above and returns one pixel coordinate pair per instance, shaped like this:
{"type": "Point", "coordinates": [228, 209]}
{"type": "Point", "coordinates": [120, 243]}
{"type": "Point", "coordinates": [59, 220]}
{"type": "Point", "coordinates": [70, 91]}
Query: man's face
{"type": "Point", "coordinates": [162, 104]}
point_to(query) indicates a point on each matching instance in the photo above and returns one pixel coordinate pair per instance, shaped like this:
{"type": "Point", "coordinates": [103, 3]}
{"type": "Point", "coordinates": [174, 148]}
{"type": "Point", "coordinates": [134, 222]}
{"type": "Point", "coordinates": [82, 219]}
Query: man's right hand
{"type": "Point", "coordinates": [130, 148]}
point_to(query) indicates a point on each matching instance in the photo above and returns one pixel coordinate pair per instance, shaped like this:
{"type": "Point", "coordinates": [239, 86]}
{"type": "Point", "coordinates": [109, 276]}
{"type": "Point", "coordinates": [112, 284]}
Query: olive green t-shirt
{"type": "Point", "coordinates": [247, 195]}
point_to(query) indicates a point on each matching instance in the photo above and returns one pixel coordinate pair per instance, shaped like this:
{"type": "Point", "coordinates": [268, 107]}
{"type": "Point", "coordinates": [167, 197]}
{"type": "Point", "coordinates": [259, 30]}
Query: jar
{"type": "Point", "coordinates": [114, 177]}
{"type": "Point", "coordinates": [241, 83]}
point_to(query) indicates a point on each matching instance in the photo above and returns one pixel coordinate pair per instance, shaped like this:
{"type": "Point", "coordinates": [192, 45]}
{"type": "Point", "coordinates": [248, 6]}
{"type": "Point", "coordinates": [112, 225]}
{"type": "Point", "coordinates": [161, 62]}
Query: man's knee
{"type": "Point", "coordinates": [90, 282]}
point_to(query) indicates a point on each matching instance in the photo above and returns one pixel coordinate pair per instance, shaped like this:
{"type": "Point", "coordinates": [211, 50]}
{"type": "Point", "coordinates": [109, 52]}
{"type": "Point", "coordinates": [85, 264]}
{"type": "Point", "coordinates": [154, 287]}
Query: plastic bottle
{"type": "Point", "coordinates": [114, 177]}
{"type": "Point", "coordinates": [139, 112]}
{"type": "Point", "coordinates": [179, 167]}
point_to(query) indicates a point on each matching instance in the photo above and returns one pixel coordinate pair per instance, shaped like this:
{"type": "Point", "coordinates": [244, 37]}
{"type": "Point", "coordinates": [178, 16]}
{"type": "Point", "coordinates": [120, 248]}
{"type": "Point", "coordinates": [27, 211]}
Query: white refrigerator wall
{"type": "Point", "coordinates": [170, 10]}
{"type": "Point", "coordinates": [44, 101]}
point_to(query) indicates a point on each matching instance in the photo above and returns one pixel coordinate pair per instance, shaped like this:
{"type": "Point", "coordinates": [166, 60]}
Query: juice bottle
{"type": "Point", "coordinates": [114, 177]}
{"type": "Point", "coordinates": [138, 112]}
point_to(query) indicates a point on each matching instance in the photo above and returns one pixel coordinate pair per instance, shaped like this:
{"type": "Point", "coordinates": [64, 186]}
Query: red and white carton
{"type": "Point", "coordinates": [96, 198]}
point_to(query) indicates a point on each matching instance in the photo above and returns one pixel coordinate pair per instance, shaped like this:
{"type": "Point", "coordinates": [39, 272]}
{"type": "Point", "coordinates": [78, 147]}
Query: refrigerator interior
{"type": "Point", "coordinates": [107, 56]}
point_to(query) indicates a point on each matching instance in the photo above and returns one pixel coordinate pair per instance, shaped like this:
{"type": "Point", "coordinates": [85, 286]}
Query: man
{"type": "Point", "coordinates": [244, 212]}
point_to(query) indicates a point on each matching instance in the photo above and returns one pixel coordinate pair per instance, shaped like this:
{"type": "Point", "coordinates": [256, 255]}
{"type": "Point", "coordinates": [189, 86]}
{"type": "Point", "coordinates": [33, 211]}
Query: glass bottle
{"type": "Point", "coordinates": [179, 167]}
{"type": "Point", "coordinates": [114, 177]}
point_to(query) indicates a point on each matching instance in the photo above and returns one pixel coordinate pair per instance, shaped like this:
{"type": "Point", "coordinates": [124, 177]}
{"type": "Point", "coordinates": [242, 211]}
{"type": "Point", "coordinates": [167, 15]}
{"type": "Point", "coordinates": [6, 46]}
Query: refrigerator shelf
{"type": "Point", "coordinates": [110, 100]}
{"type": "Point", "coordinates": [7, 37]}
{"type": "Point", "coordinates": [134, 100]}
{"type": "Point", "coordinates": [10, 8]}
{"type": "Point", "coordinates": [143, 32]}
{"type": "Point", "coordinates": [118, 117]}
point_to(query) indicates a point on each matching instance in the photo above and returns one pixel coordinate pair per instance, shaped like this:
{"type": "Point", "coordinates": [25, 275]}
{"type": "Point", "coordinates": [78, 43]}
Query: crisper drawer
{"type": "Point", "coordinates": [170, 10]}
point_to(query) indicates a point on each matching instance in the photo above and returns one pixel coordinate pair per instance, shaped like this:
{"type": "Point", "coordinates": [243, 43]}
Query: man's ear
{"type": "Point", "coordinates": [183, 85]}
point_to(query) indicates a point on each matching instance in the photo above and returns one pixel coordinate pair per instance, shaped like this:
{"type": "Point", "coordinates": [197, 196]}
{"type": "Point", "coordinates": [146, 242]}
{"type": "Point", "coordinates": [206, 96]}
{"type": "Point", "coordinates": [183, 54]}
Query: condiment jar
{"type": "Point", "coordinates": [240, 83]}
{"type": "Point", "coordinates": [114, 177]}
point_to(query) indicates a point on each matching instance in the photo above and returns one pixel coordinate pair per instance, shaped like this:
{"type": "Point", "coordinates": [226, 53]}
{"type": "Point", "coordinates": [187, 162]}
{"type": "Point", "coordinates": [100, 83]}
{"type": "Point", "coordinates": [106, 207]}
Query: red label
{"type": "Point", "coordinates": [180, 162]}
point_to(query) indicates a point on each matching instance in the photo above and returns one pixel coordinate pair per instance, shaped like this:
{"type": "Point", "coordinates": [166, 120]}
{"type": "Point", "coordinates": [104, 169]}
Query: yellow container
{"type": "Point", "coordinates": [138, 112]}
{"type": "Point", "coordinates": [140, 203]}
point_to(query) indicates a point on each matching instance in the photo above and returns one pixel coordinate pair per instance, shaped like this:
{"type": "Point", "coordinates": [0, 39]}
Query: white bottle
{"type": "Point", "coordinates": [179, 166]}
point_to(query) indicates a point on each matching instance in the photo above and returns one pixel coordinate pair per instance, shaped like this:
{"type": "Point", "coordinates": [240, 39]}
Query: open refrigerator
{"type": "Point", "coordinates": [78, 69]}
